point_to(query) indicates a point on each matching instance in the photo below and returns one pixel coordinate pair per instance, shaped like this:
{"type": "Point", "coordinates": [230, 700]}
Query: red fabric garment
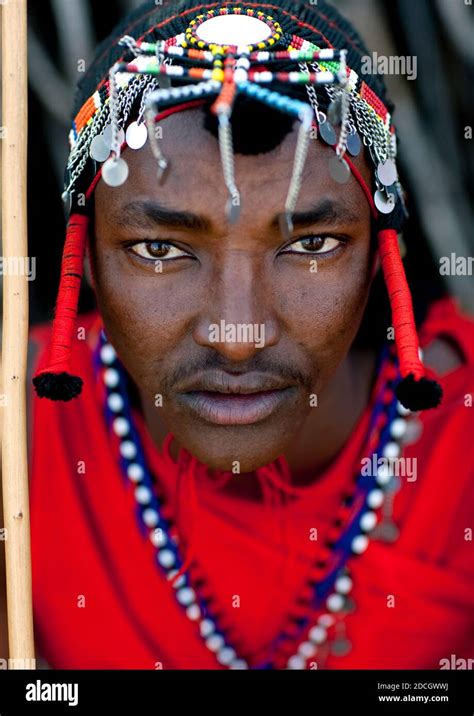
{"type": "Point", "coordinates": [101, 602]}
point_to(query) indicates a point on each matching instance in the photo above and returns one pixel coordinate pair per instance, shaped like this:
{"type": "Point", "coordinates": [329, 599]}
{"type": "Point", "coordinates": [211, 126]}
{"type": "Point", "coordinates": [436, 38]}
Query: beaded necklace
{"type": "Point", "coordinates": [330, 584]}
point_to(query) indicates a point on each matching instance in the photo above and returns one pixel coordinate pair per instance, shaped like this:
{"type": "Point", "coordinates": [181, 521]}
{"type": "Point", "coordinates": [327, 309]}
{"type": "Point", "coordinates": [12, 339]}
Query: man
{"type": "Point", "coordinates": [238, 485]}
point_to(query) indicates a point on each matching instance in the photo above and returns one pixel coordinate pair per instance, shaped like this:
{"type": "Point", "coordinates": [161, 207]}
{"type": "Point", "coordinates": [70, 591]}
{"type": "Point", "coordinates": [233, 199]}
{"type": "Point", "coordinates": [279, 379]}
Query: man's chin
{"type": "Point", "coordinates": [238, 467]}
{"type": "Point", "coordinates": [240, 438]}
{"type": "Point", "coordinates": [238, 450]}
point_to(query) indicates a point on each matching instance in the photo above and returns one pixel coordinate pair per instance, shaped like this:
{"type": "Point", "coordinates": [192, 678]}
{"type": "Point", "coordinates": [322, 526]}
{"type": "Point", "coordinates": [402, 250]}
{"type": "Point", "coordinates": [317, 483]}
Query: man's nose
{"type": "Point", "coordinates": [239, 316]}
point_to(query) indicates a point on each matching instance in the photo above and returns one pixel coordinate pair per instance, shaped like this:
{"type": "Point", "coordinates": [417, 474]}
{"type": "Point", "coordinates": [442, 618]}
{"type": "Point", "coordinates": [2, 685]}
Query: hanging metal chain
{"type": "Point", "coordinates": [227, 157]}
{"type": "Point", "coordinates": [311, 92]}
{"type": "Point", "coordinates": [301, 153]}
{"type": "Point", "coordinates": [135, 87]}
{"type": "Point", "coordinates": [371, 128]}
{"type": "Point", "coordinates": [130, 43]}
{"type": "Point", "coordinates": [151, 87]}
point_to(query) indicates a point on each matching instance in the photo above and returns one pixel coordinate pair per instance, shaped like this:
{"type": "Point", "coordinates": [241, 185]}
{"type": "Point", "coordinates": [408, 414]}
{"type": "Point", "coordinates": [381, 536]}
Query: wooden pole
{"type": "Point", "coordinates": [15, 335]}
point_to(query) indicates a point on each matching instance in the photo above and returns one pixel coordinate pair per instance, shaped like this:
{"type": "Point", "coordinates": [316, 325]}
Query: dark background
{"type": "Point", "coordinates": [432, 115]}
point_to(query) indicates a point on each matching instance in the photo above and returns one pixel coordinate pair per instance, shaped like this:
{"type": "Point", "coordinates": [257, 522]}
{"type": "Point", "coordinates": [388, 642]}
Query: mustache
{"type": "Point", "coordinates": [214, 364]}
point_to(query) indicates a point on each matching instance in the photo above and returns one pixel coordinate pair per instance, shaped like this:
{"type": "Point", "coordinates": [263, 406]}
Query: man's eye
{"type": "Point", "coordinates": [153, 250]}
{"type": "Point", "coordinates": [313, 245]}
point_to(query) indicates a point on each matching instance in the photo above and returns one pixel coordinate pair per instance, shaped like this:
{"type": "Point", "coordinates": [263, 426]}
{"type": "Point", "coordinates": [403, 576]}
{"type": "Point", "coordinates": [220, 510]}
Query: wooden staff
{"type": "Point", "coordinates": [15, 335]}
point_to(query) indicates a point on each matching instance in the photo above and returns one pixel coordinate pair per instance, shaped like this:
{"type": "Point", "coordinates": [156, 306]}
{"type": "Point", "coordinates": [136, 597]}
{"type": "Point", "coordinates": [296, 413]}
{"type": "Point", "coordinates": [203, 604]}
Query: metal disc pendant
{"type": "Point", "coordinates": [335, 111]}
{"type": "Point", "coordinates": [99, 151]}
{"type": "Point", "coordinates": [354, 144]}
{"type": "Point", "coordinates": [327, 133]}
{"type": "Point", "coordinates": [384, 205]}
{"type": "Point", "coordinates": [387, 172]}
{"type": "Point", "coordinates": [107, 136]}
{"type": "Point", "coordinates": [115, 171]}
{"type": "Point", "coordinates": [339, 170]}
{"type": "Point", "coordinates": [136, 135]}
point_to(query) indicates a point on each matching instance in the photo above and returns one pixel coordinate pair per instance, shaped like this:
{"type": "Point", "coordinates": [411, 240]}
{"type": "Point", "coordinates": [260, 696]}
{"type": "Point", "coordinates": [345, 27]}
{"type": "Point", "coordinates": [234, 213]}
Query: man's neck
{"type": "Point", "coordinates": [332, 422]}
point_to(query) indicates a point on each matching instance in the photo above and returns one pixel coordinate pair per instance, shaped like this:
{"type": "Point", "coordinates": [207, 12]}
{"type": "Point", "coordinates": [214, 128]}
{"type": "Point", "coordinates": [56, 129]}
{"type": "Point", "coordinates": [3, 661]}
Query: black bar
{"type": "Point", "coordinates": [316, 692]}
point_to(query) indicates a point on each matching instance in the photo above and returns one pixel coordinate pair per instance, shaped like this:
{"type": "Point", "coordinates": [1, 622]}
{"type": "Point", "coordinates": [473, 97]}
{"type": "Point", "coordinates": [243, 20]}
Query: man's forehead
{"type": "Point", "coordinates": [195, 177]}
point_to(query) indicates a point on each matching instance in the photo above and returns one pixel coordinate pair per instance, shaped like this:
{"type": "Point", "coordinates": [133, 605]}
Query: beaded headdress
{"type": "Point", "coordinates": [223, 51]}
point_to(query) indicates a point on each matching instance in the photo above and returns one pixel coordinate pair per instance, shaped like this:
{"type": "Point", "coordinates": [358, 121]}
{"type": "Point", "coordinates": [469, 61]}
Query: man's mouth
{"type": "Point", "coordinates": [224, 399]}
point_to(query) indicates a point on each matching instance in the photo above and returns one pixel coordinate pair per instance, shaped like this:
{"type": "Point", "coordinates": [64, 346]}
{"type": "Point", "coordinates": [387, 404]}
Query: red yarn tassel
{"type": "Point", "coordinates": [56, 381]}
{"type": "Point", "coordinates": [415, 392]}
{"type": "Point", "coordinates": [403, 319]}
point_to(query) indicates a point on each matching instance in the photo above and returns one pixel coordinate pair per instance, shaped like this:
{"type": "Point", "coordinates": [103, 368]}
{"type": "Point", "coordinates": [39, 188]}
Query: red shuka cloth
{"type": "Point", "coordinates": [100, 600]}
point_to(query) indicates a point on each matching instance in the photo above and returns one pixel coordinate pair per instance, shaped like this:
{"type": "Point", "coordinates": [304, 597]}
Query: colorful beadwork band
{"type": "Point", "coordinates": [202, 67]}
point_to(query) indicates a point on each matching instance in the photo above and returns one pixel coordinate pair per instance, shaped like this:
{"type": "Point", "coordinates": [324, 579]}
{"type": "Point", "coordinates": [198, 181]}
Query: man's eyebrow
{"type": "Point", "coordinates": [325, 212]}
{"type": "Point", "coordinates": [143, 213]}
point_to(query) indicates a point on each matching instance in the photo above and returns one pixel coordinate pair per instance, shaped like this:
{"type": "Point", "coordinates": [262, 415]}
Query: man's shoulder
{"type": "Point", "coordinates": [447, 339]}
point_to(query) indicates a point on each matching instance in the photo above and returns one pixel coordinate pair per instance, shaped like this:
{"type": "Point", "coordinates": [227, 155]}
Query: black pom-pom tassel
{"type": "Point", "coordinates": [58, 386]}
{"type": "Point", "coordinates": [421, 394]}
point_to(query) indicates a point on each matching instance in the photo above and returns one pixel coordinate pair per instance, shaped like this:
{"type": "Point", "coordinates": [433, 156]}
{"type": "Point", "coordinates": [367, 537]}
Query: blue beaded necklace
{"type": "Point", "coordinates": [330, 594]}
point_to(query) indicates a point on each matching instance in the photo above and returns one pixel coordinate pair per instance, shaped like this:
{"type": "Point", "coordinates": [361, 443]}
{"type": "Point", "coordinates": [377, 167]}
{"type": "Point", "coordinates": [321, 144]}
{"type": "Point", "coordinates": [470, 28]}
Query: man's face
{"type": "Point", "coordinates": [233, 331]}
